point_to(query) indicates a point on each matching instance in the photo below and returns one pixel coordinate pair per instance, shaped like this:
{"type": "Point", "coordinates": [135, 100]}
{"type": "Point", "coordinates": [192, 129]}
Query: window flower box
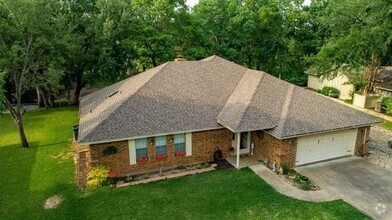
{"type": "Point", "coordinates": [160, 157]}
{"type": "Point", "coordinates": [179, 154]}
{"type": "Point", "coordinates": [142, 159]}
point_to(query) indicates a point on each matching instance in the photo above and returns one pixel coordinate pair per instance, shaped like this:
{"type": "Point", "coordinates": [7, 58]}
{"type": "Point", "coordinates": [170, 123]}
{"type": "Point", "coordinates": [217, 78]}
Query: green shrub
{"type": "Point", "coordinates": [97, 176]}
{"type": "Point", "coordinates": [285, 169]}
{"type": "Point", "coordinates": [348, 101]}
{"type": "Point", "coordinates": [109, 181]}
{"type": "Point", "coordinates": [206, 165]}
{"type": "Point", "coordinates": [62, 103]}
{"type": "Point", "coordinates": [386, 102]}
{"type": "Point", "coordinates": [327, 91]}
{"type": "Point", "coordinates": [306, 186]}
{"type": "Point", "coordinates": [129, 178]}
{"type": "Point", "coordinates": [298, 177]}
{"type": "Point", "coordinates": [175, 171]}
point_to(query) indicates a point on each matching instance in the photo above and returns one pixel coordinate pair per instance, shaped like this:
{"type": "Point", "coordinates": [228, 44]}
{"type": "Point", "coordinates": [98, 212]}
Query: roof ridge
{"type": "Point", "coordinates": [286, 106]}
{"type": "Point", "coordinates": [253, 94]}
{"type": "Point", "coordinates": [121, 102]}
{"type": "Point", "coordinates": [242, 100]}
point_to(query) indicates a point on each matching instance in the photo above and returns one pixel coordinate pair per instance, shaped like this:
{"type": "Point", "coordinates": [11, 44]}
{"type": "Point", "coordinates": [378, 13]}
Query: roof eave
{"type": "Point", "coordinates": [324, 131]}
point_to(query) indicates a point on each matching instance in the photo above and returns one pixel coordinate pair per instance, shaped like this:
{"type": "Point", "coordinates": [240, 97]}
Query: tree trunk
{"type": "Point", "coordinates": [154, 61]}
{"type": "Point", "coordinates": [19, 122]}
{"type": "Point", "coordinates": [22, 134]}
{"type": "Point", "coordinates": [78, 88]}
{"type": "Point", "coordinates": [44, 97]}
{"type": "Point", "coordinates": [40, 102]}
{"type": "Point", "coordinates": [52, 102]}
{"type": "Point", "coordinates": [16, 114]}
{"type": "Point", "coordinates": [371, 74]}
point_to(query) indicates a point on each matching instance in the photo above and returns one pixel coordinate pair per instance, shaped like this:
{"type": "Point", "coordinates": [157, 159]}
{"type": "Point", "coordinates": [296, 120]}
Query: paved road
{"type": "Point", "coordinates": [357, 181]}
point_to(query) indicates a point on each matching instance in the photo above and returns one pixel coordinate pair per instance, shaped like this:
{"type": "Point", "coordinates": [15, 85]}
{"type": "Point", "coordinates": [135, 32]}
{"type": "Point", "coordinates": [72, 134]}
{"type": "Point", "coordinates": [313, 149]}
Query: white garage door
{"type": "Point", "coordinates": [325, 146]}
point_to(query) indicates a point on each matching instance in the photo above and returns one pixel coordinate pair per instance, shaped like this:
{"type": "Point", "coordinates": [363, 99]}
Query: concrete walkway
{"type": "Point", "coordinates": [287, 189]}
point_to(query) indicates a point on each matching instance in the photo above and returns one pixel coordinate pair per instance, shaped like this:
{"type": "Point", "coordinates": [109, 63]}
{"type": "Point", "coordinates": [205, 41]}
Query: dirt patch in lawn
{"type": "Point", "coordinates": [53, 202]}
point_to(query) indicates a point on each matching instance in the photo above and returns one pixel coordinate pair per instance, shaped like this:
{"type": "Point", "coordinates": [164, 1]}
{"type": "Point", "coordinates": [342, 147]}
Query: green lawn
{"type": "Point", "coordinates": [30, 176]}
{"type": "Point", "coordinates": [387, 125]}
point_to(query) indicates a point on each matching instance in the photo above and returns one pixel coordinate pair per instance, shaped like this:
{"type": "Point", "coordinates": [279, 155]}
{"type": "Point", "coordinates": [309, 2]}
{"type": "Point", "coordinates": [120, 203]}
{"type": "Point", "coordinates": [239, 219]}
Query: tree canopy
{"type": "Point", "coordinates": [60, 46]}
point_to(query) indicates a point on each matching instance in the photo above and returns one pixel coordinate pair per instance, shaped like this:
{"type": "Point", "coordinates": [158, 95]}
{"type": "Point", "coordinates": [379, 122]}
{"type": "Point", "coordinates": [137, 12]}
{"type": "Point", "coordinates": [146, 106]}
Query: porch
{"type": "Point", "coordinates": [243, 151]}
{"type": "Point", "coordinates": [246, 160]}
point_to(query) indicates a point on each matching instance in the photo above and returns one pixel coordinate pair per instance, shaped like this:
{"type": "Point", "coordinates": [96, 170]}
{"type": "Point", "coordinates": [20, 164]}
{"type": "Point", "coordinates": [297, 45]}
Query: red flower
{"type": "Point", "coordinates": [178, 154]}
{"type": "Point", "coordinates": [142, 159]}
{"type": "Point", "coordinates": [112, 174]}
{"type": "Point", "coordinates": [159, 157]}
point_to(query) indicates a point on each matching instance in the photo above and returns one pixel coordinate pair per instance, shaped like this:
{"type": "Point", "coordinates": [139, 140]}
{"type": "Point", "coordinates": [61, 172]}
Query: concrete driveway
{"type": "Point", "coordinates": [357, 181]}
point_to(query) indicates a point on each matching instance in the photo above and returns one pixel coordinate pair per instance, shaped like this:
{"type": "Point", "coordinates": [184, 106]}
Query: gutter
{"type": "Point", "coordinates": [325, 131]}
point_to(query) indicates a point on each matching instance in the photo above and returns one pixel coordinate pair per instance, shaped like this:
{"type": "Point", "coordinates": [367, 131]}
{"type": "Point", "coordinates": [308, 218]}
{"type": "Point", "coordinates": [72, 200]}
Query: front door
{"type": "Point", "coordinates": [244, 142]}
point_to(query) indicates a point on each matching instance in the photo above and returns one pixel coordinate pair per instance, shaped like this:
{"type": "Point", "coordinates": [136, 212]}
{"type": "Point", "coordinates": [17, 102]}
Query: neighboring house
{"type": "Point", "coordinates": [383, 84]}
{"type": "Point", "coordinates": [340, 82]}
{"type": "Point", "coordinates": [180, 112]}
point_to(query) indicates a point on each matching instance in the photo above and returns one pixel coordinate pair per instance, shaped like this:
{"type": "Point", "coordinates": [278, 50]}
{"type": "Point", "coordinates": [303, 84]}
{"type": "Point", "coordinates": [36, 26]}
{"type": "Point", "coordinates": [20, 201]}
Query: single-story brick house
{"type": "Point", "coordinates": [180, 112]}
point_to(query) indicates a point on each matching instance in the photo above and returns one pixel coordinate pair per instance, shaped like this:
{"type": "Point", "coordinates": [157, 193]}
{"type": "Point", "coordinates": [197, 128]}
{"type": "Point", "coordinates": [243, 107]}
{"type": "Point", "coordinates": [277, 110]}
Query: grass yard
{"type": "Point", "coordinates": [387, 125]}
{"type": "Point", "coordinates": [30, 176]}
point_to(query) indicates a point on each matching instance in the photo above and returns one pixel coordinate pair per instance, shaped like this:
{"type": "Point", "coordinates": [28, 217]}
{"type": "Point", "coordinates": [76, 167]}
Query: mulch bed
{"type": "Point", "coordinates": [224, 164]}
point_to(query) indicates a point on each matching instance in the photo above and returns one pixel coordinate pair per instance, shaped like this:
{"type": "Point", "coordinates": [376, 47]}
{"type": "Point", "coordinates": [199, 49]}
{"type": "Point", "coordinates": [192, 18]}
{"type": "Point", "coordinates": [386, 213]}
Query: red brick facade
{"type": "Point", "coordinates": [274, 150]}
{"type": "Point", "coordinates": [203, 145]}
{"type": "Point", "coordinates": [361, 144]}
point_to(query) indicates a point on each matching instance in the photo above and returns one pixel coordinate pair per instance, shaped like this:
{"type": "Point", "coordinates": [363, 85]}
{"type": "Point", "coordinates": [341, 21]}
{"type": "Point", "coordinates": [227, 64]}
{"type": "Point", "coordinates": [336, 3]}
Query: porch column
{"type": "Point", "coordinates": [238, 149]}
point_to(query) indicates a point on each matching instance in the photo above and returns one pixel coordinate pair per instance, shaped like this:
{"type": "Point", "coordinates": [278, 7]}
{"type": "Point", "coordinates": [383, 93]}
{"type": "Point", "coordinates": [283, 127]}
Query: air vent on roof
{"type": "Point", "coordinates": [112, 93]}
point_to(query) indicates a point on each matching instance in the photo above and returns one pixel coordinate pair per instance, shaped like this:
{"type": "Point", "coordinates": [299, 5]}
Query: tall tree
{"type": "Point", "coordinates": [159, 27]}
{"type": "Point", "coordinates": [27, 42]}
{"type": "Point", "coordinates": [360, 36]}
{"type": "Point", "coordinates": [98, 44]}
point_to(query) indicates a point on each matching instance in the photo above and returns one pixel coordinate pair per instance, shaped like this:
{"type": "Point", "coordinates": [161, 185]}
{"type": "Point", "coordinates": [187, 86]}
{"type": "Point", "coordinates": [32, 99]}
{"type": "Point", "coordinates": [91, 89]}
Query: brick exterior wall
{"type": "Point", "coordinates": [203, 145]}
{"type": "Point", "coordinates": [361, 148]}
{"type": "Point", "coordinates": [275, 150]}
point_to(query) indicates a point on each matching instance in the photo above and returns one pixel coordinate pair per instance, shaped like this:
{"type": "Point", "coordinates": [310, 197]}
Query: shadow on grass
{"type": "Point", "coordinates": [16, 166]}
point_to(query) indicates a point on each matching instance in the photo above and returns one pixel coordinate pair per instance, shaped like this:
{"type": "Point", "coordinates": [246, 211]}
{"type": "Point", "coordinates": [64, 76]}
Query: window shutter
{"type": "Point", "coordinates": [188, 144]}
{"type": "Point", "coordinates": [132, 152]}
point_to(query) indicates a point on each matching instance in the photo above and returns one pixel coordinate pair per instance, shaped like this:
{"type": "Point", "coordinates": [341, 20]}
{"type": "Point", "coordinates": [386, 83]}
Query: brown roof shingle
{"type": "Point", "coordinates": [208, 94]}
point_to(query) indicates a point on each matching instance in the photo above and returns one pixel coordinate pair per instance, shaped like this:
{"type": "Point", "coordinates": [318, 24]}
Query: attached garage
{"type": "Point", "coordinates": [324, 146]}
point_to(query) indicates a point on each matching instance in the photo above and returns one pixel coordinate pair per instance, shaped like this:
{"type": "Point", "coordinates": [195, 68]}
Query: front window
{"type": "Point", "coordinates": [179, 143]}
{"type": "Point", "coordinates": [160, 144]}
{"type": "Point", "coordinates": [141, 148]}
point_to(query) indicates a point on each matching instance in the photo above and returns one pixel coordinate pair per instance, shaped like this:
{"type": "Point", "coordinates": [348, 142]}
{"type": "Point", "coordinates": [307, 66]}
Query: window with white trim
{"type": "Point", "coordinates": [179, 143]}
{"type": "Point", "coordinates": [141, 148]}
{"type": "Point", "coordinates": [160, 145]}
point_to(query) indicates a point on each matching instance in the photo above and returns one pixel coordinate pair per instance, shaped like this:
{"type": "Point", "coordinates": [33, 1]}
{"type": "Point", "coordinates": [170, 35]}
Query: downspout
{"type": "Point", "coordinates": [364, 142]}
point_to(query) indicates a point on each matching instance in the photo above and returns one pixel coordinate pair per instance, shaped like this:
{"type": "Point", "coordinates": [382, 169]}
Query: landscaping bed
{"type": "Point", "coordinates": [300, 181]}
{"type": "Point", "coordinates": [296, 179]}
{"type": "Point", "coordinates": [168, 174]}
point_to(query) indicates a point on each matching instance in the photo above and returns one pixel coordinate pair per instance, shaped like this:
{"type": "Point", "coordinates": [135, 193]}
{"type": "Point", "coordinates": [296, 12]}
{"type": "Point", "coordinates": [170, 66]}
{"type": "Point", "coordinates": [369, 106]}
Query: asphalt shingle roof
{"type": "Point", "coordinates": [208, 94]}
